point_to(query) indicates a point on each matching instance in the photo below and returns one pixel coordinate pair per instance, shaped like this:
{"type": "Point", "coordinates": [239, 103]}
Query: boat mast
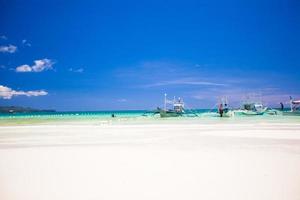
{"type": "Point", "coordinates": [165, 105]}
{"type": "Point", "coordinates": [291, 103]}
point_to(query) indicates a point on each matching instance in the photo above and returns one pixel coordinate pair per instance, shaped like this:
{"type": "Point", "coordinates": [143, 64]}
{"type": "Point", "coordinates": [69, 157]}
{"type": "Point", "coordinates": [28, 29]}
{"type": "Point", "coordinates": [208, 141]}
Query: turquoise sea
{"type": "Point", "coordinates": [76, 114]}
{"type": "Point", "coordinates": [132, 116]}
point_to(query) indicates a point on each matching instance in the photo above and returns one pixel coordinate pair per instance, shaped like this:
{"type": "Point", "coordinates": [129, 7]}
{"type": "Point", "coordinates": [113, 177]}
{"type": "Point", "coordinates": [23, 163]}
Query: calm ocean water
{"type": "Point", "coordinates": [136, 116]}
{"type": "Point", "coordinates": [130, 114]}
{"type": "Point", "coordinates": [90, 114]}
{"type": "Point", "coordinates": [73, 114]}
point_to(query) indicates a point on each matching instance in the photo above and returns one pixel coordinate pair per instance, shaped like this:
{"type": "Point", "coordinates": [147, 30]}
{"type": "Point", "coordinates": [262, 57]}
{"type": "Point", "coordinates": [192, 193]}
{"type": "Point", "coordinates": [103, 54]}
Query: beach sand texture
{"type": "Point", "coordinates": [211, 161]}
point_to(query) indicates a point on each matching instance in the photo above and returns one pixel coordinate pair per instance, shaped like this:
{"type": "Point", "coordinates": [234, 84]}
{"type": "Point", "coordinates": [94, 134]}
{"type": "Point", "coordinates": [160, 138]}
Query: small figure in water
{"type": "Point", "coordinates": [281, 106]}
{"type": "Point", "coordinates": [225, 108]}
{"type": "Point", "coordinates": [113, 115]}
{"type": "Point", "coordinates": [221, 110]}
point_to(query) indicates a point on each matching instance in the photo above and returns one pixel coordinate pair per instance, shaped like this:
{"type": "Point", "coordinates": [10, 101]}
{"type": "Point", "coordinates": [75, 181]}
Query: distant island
{"type": "Point", "coordinates": [19, 109]}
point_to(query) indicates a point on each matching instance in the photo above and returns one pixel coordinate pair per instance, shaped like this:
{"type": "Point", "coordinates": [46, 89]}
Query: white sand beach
{"type": "Point", "coordinates": [211, 161]}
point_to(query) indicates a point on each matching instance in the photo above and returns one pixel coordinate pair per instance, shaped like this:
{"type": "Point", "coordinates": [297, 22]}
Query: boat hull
{"type": "Point", "coordinates": [251, 113]}
{"type": "Point", "coordinates": [228, 114]}
{"type": "Point", "coordinates": [165, 114]}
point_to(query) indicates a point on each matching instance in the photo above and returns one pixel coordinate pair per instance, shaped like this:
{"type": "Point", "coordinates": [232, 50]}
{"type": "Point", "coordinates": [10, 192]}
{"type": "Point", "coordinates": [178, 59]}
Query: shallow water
{"type": "Point", "coordinates": [202, 116]}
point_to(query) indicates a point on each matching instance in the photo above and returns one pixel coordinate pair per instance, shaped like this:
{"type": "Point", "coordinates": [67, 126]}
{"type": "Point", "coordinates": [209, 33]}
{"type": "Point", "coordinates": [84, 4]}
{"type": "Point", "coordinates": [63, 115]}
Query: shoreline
{"type": "Point", "coordinates": [145, 120]}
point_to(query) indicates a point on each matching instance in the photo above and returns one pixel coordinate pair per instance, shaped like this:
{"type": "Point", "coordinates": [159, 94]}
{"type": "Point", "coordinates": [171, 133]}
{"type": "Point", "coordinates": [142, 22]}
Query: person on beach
{"type": "Point", "coordinates": [221, 110]}
{"type": "Point", "coordinates": [281, 106]}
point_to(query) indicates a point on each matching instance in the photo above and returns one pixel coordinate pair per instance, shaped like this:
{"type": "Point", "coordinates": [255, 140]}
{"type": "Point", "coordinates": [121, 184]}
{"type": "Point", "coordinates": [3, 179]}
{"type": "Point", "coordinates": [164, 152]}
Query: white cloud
{"type": "Point", "coordinates": [26, 43]}
{"type": "Point", "coordinates": [156, 74]}
{"type": "Point", "coordinates": [3, 37]}
{"type": "Point", "coordinates": [8, 49]}
{"type": "Point", "coordinates": [8, 93]}
{"type": "Point", "coordinates": [79, 70]}
{"type": "Point", "coordinates": [39, 66]}
{"type": "Point", "coordinates": [24, 68]}
{"type": "Point", "coordinates": [183, 82]}
{"type": "Point", "coordinates": [122, 100]}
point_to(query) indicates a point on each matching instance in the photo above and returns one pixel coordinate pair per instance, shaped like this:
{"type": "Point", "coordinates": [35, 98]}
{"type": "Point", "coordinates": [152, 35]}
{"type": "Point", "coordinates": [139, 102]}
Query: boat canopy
{"type": "Point", "coordinates": [251, 106]}
{"type": "Point", "coordinates": [296, 102]}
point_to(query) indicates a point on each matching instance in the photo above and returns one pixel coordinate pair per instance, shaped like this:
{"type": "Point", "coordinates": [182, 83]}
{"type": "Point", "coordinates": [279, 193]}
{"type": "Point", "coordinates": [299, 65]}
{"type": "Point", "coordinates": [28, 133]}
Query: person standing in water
{"type": "Point", "coordinates": [225, 109]}
{"type": "Point", "coordinates": [281, 106]}
{"type": "Point", "coordinates": [221, 110]}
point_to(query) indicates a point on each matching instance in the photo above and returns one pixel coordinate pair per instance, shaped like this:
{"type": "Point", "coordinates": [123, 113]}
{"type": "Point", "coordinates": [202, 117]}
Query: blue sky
{"type": "Point", "coordinates": [102, 55]}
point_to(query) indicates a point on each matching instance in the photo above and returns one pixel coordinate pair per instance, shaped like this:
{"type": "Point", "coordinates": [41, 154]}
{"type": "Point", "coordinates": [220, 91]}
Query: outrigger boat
{"type": "Point", "coordinates": [253, 108]}
{"type": "Point", "coordinates": [295, 108]}
{"type": "Point", "coordinates": [176, 111]}
{"type": "Point", "coordinates": [252, 105]}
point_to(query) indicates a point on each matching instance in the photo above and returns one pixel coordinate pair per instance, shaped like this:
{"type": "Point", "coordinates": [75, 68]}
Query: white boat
{"type": "Point", "coordinates": [176, 111]}
{"type": "Point", "coordinates": [252, 105]}
{"type": "Point", "coordinates": [252, 108]}
{"type": "Point", "coordinates": [295, 108]}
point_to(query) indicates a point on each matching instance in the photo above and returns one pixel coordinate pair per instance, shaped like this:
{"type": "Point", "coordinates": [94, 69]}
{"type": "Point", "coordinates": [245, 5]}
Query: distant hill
{"type": "Point", "coordinates": [19, 109]}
